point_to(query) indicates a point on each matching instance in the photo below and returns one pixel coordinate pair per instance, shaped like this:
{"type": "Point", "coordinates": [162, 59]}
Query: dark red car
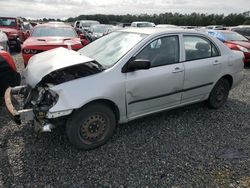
{"type": "Point", "coordinates": [49, 36]}
{"type": "Point", "coordinates": [13, 27]}
{"type": "Point", "coordinates": [8, 73]}
{"type": "Point", "coordinates": [234, 41]}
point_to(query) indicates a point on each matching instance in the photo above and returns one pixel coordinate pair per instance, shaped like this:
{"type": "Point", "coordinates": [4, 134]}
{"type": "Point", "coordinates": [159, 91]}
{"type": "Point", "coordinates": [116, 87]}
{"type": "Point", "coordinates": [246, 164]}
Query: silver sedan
{"type": "Point", "coordinates": [123, 76]}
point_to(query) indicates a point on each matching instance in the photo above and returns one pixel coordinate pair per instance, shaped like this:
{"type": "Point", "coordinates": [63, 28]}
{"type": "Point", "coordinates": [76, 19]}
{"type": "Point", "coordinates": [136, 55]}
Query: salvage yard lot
{"type": "Point", "coordinates": [188, 147]}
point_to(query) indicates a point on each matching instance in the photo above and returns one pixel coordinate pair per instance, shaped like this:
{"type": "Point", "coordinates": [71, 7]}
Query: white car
{"type": "Point", "coordinates": [84, 25]}
{"type": "Point", "coordinates": [123, 76]}
{"type": "Point", "coordinates": [4, 43]}
{"type": "Point", "coordinates": [142, 24]}
{"type": "Point", "coordinates": [170, 26]}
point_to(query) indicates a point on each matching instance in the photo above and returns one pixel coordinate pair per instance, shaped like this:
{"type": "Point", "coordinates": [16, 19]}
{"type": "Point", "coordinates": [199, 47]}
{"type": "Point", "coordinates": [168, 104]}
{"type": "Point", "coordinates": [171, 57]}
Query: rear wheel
{"type": "Point", "coordinates": [219, 94]}
{"type": "Point", "coordinates": [91, 126]}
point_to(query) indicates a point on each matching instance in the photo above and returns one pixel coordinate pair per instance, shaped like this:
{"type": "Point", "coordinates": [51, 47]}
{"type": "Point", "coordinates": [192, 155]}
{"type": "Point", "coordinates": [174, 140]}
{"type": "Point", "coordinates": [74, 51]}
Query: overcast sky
{"type": "Point", "coordinates": [72, 8]}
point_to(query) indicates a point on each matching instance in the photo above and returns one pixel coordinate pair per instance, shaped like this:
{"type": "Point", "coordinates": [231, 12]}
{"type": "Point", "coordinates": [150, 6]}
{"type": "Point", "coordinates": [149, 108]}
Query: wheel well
{"type": "Point", "coordinates": [110, 104]}
{"type": "Point", "coordinates": [229, 78]}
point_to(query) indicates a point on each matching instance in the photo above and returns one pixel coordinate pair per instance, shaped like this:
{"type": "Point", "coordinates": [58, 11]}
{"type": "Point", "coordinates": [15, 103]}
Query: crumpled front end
{"type": "Point", "coordinates": [27, 104]}
{"type": "Point", "coordinates": [34, 101]}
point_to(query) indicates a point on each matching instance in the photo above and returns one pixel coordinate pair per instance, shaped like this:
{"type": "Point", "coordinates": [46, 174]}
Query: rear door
{"type": "Point", "coordinates": [160, 86]}
{"type": "Point", "coordinates": [202, 67]}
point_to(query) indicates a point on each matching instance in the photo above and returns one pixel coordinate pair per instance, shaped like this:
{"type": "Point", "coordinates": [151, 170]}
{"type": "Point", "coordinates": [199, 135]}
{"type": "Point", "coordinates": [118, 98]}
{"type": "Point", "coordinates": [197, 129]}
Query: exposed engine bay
{"type": "Point", "coordinates": [35, 103]}
{"type": "Point", "coordinates": [41, 98]}
{"type": "Point", "coordinates": [71, 73]}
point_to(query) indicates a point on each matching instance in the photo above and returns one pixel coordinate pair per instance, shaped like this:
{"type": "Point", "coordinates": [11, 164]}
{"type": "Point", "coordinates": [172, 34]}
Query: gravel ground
{"type": "Point", "coordinates": [188, 147]}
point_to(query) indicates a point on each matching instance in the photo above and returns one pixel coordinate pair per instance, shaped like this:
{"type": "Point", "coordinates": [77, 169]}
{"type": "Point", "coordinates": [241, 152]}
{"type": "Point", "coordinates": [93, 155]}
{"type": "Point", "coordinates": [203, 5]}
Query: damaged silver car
{"type": "Point", "coordinates": [120, 77]}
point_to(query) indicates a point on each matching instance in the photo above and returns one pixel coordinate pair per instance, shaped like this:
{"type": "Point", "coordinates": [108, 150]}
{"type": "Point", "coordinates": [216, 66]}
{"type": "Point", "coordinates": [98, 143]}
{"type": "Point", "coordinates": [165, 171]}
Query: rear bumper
{"type": "Point", "coordinates": [17, 114]}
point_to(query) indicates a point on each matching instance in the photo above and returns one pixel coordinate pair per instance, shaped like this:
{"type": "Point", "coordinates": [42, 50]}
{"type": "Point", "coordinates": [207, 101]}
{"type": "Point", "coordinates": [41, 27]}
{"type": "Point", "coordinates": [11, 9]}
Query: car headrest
{"type": "Point", "coordinates": [202, 46]}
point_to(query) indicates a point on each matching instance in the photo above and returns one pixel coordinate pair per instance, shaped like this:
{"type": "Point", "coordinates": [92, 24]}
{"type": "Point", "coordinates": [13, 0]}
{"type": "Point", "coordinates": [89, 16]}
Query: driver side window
{"type": "Point", "coordinates": [162, 51]}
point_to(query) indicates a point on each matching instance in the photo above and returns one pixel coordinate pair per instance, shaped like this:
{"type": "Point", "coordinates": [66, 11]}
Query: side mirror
{"type": "Point", "coordinates": [1, 48]}
{"type": "Point", "coordinates": [138, 64]}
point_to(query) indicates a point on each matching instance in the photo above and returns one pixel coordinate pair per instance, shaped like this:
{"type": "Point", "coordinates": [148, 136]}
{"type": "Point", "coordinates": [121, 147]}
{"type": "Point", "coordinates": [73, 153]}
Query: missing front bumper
{"type": "Point", "coordinates": [21, 114]}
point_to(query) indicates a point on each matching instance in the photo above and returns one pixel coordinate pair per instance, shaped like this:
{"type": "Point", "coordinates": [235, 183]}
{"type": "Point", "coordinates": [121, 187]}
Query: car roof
{"type": "Point", "coordinates": [157, 30]}
{"type": "Point", "coordinates": [53, 25]}
{"type": "Point", "coordinates": [224, 31]}
{"type": "Point", "coordinates": [141, 22]}
{"type": "Point", "coordinates": [87, 21]}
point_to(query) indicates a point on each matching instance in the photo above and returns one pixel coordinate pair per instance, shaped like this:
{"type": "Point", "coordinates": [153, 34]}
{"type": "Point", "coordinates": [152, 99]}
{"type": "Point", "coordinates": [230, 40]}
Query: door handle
{"type": "Point", "coordinates": [216, 62]}
{"type": "Point", "coordinates": [177, 70]}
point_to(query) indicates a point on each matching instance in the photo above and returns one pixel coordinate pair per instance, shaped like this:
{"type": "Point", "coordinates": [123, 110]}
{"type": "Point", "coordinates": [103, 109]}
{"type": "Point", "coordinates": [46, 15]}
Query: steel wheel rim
{"type": "Point", "coordinates": [94, 128]}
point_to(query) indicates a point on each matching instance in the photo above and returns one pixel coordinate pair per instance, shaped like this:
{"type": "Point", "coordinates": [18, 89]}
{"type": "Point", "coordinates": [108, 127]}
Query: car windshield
{"type": "Point", "coordinates": [99, 28]}
{"type": "Point", "coordinates": [234, 37]}
{"type": "Point", "coordinates": [242, 31]}
{"type": "Point", "coordinates": [54, 32]}
{"type": "Point", "coordinates": [109, 49]}
{"type": "Point", "coordinates": [8, 22]}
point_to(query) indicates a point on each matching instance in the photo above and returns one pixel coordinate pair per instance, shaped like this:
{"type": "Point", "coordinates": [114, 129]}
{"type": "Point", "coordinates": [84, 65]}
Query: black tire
{"type": "Point", "coordinates": [219, 94]}
{"type": "Point", "coordinates": [8, 48]}
{"type": "Point", "coordinates": [18, 46]}
{"type": "Point", "coordinates": [91, 126]}
{"type": "Point", "coordinates": [9, 79]}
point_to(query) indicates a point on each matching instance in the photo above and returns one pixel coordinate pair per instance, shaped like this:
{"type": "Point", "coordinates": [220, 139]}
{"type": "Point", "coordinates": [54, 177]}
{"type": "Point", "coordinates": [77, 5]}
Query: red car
{"type": "Point", "coordinates": [13, 27]}
{"type": "Point", "coordinates": [8, 73]}
{"type": "Point", "coordinates": [234, 41]}
{"type": "Point", "coordinates": [49, 36]}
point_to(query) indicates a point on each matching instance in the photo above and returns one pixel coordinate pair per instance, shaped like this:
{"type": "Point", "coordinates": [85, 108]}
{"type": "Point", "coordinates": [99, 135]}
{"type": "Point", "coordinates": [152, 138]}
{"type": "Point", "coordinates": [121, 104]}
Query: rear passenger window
{"type": "Point", "coordinates": [199, 48]}
{"type": "Point", "coordinates": [163, 51]}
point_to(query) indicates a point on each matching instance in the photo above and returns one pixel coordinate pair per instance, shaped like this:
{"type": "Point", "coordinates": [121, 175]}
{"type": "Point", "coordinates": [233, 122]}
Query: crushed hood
{"type": "Point", "coordinates": [44, 63]}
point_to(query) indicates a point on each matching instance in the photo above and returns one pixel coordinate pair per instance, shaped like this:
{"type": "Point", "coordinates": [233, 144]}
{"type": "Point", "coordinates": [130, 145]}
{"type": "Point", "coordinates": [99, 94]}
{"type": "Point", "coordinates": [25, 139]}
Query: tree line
{"type": "Point", "coordinates": [194, 19]}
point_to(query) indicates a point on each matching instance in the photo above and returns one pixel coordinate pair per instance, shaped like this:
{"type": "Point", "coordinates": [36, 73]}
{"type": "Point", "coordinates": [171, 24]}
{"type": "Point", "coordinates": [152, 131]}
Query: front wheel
{"type": "Point", "coordinates": [91, 126]}
{"type": "Point", "coordinates": [219, 94]}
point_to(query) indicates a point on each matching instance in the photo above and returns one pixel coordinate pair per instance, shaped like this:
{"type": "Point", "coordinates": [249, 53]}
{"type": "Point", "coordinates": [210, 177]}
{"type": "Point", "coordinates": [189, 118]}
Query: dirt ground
{"type": "Point", "coordinates": [188, 147]}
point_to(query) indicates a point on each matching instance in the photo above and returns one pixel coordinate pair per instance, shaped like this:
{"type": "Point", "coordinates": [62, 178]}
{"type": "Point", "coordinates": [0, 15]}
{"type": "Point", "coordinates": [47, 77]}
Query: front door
{"type": "Point", "coordinates": [160, 86]}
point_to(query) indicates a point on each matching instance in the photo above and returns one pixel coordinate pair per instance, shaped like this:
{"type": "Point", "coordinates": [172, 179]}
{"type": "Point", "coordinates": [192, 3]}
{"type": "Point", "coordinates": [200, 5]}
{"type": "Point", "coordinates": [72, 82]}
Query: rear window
{"type": "Point", "coordinates": [54, 32]}
{"type": "Point", "coordinates": [8, 22]}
